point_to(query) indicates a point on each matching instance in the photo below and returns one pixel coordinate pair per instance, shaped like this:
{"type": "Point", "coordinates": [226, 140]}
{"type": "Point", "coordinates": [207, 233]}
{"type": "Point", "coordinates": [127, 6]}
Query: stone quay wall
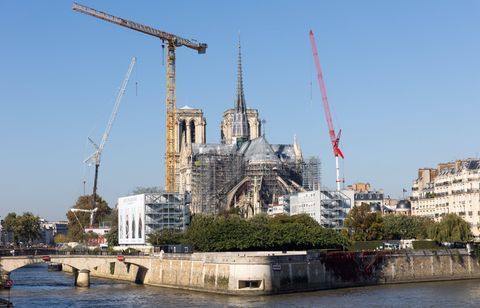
{"type": "Point", "coordinates": [259, 273]}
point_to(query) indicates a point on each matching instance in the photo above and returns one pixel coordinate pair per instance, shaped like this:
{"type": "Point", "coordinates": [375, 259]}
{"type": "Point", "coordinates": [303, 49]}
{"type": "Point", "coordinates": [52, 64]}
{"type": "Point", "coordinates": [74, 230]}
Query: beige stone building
{"type": "Point", "coordinates": [363, 193]}
{"type": "Point", "coordinates": [189, 129]}
{"type": "Point", "coordinates": [452, 187]}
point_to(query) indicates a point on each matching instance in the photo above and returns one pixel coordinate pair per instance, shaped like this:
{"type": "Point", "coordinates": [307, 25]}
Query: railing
{"type": "Point", "coordinates": [27, 251]}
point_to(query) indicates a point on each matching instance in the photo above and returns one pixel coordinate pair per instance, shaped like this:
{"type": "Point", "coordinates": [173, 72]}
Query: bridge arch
{"type": "Point", "coordinates": [9, 264]}
{"type": "Point", "coordinates": [101, 266]}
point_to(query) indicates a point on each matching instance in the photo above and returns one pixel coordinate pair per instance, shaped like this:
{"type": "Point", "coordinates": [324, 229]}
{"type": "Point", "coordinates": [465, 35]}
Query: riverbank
{"type": "Point", "coordinates": [262, 273]}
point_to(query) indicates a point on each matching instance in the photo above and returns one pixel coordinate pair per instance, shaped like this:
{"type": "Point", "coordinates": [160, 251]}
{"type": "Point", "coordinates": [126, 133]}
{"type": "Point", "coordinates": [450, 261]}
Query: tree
{"type": "Point", "coordinates": [452, 228]}
{"type": "Point", "coordinates": [423, 227]}
{"type": "Point", "coordinates": [25, 228]}
{"type": "Point", "coordinates": [112, 235]}
{"type": "Point", "coordinates": [398, 227]}
{"type": "Point", "coordinates": [233, 233]}
{"type": "Point", "coordinates": [363, 225]}
{"type": "Point", "coordinates": [60, 239]}
{"type": "Point", "coordinates": [28, 227]}
{"type": "Point", "coordinates": [80, 220]}
{"type": "Point", "coordinates": [9, 224]}
{"type": "Point", "coordinates": [165, 237]}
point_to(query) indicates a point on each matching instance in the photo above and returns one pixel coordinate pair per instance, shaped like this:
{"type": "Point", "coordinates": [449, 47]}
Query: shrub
{"type": "Point", "coordinates": [425, 245]}
{"type": "Point", "coordinates": [366, 245]}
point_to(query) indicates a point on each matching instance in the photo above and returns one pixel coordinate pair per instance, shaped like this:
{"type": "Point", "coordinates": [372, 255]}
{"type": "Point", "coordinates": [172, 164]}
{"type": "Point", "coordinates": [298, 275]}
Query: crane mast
{"type": "Point", "coordinates": [173, 41]}
{"type": "Point", "coordinates": [96, 156]}
{"type": "Point", "coordinates": [334, 138]}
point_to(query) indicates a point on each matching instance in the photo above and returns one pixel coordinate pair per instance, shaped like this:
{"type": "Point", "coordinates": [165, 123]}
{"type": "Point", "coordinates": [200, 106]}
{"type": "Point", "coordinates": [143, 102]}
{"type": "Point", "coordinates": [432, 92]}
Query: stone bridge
{"type": "Point", "coordinates": [134, 268]}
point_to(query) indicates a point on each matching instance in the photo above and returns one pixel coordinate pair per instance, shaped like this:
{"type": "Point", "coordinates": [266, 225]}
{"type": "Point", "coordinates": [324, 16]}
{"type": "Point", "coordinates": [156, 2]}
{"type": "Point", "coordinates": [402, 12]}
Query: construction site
{"type": "Point", "coordinates": [242, 173]}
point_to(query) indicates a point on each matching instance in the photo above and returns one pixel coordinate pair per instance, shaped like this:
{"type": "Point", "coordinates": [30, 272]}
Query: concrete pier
{"type": "Point", "coordinates": [83, 278]}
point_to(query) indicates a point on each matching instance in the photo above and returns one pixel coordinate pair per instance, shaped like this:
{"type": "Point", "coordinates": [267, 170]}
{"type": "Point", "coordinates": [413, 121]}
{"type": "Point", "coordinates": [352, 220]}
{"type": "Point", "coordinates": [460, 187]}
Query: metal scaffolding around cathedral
{"type": "Point", "coordinates": [244, 171]}
{"type": "Point", "coordinates": [311, 173]}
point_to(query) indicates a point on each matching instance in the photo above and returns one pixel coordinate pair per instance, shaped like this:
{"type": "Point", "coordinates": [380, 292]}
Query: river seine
{"type": "Point", "coordinates": [34, 286]}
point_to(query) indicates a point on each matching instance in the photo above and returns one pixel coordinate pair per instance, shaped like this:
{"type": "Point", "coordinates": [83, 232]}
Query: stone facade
{"type": "Point", "coordinates": [190, 129]}
{"type": "Point", "coordinates": [226, 127]}
{"type": "Point", "coordinates": [452, 187]}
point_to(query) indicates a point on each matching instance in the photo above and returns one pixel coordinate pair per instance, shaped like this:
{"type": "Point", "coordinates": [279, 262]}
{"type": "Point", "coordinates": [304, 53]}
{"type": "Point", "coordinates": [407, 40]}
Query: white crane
{"type": "Point", "coordinates": [95, 157]}
{"type": "Point", "coordinates": [92, 212]}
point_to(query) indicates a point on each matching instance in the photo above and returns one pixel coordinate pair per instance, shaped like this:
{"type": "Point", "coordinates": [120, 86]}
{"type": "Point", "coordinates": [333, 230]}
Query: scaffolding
{"type": "Point", "coordinates": [268, 177]}
{"type": "Point", "coordinates": [311, 173]}
{"type": "Point", "coordinates": [334, 206]}
{"type": "Point", "coordinates": [253, 175]}
{"type": "Point", "coordinates": [166, 211]}
{"type": "Point", "coordinates": [213, 175]}
{"type": "Point", "coordinates": [328, 208]}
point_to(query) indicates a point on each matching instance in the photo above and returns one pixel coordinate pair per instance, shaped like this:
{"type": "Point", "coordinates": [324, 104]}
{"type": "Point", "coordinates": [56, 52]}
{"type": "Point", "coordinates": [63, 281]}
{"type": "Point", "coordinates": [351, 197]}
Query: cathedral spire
{"type": "Point", "coordinates": [240, 99]}
{"type": "Point", "coordinates": [240, 131]}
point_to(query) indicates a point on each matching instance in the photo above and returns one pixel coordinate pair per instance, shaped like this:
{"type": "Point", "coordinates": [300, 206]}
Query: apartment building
{"type": "Point", "coordinates": [452, 187]}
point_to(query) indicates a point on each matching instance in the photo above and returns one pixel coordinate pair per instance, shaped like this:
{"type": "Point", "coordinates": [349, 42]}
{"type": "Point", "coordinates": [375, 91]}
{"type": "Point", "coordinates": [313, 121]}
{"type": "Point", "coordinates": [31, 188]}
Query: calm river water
{"type": "Point", "coordinates": [35, 287]}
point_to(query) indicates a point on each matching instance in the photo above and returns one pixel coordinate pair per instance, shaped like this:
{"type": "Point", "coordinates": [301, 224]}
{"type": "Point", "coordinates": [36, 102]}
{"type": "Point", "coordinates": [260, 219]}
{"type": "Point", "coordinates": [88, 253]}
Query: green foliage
{"type": "Point", "coordinates": [112, 235]}
{"type": "Point", "coordinates": [363, 225]}
{"type": "Point", "coordinates": [165, 237]}
{"type": "Point", "coordinates": [398, 227]}
{"type": "Point", "coordinates": [232, 233]}
{"type": "Point", "coordinates": [60, 238]}
{"type": "Point", "coordinates": [80, 220]}
{"type": "Point", "coordinates": [131, 251]}
{"type": "Point", "coordinates": [425, 245]}
{"type": "Point", "coordinates": [452, 228]}
{"type": "Point", "coordinates": [25, 228]}
{"type": "Point", "coordinates": [9, 222]}
{"type": "Point", "coordinates": [367, 245]}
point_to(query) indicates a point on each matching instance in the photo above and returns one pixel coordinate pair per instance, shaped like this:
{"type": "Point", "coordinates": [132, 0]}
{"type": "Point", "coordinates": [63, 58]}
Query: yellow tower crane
{"type": "Point", "coordinates": [173, 41]}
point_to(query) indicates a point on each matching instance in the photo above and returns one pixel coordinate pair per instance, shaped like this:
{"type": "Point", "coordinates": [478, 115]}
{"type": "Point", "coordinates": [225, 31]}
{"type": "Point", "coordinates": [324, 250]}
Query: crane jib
{"type": "Point", "coordinates": [171, 38]}
{"type": "Point", "coordinates": [173, 42]}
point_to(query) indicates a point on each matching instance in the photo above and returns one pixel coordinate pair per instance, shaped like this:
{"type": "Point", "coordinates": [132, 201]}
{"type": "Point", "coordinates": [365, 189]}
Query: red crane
{"type": "Point", "coordinates": [334, 138]}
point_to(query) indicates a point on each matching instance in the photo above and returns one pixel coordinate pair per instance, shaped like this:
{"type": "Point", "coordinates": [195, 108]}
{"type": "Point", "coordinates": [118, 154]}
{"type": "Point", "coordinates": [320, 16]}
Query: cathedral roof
{"type": "Point", "coordinates": [258, 150]}
{"type": "Point", "coordinates": [213, 149]}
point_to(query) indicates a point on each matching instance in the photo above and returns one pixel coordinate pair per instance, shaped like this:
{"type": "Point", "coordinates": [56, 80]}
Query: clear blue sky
{"type": "Point", "coordinates": [403, 79]}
